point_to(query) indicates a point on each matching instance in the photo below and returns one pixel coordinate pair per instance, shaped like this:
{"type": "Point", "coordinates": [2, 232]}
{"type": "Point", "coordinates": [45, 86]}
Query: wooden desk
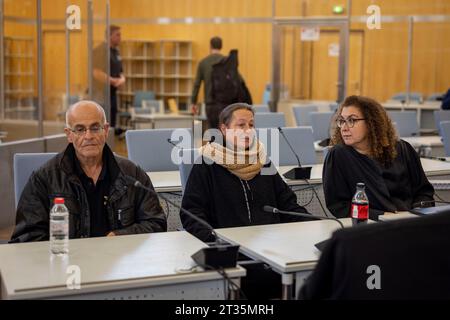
{"type": "Point", "coordinates": [3, 135]}
{"type": "Point", "coordinates": [159, 121]}
{"type": "Point", "coordinates": [397, 216]}
{"type": "Point", "coordinates": [433, 142]}
{"type": "Point", "coordinates": [425, 116]}
{"type": "Point", "coordinates": [169, 182]}
{"type": "Point", "coordinates": [146, 266]}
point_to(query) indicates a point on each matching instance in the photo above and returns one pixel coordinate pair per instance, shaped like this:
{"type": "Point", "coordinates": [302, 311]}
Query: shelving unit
{"type": "Point", "coordinates": [19, 78]}
{"type": "Point", "coordinates": [162, 66]}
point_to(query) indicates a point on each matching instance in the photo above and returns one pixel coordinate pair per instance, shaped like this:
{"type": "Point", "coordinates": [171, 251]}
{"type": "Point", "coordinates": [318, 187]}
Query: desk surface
{"type": "Point", "coordinates": [169, 181]}
{"type": "Point", "coordinates": [287, 247]}
{"type": "Point", "coordinates": [109, 263]}
{"type": "Point", "coordinates": [428, 105]}
{"type": "Point", "coordinates": [431, 141]}
{"type": "Point", "coordinates": [397, 216]}
{"type": "Point", "coordinates": [165, 116]}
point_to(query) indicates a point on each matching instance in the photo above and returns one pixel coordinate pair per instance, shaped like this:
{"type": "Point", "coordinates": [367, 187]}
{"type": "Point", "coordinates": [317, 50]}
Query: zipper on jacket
{"type": "Point", "coordinates": [246, 200]}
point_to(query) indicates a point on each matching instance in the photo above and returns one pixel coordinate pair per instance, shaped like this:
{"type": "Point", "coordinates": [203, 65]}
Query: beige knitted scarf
{"type": "Point", "coordinates": [245, 164]}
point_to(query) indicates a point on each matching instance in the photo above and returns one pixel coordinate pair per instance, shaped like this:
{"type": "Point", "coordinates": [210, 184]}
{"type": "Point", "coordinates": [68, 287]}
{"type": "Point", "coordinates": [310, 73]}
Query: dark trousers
{"type": "Point", "coordinates": [213, 111]}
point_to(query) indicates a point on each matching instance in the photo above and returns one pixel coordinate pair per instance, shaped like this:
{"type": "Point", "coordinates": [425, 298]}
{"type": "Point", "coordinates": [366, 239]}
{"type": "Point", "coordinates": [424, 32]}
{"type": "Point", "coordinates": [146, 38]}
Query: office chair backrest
{"type": "Point", "coordinates": [301, 139]}
{"type": "Point", "coordinates": [301, 114]}
{"type": "Point", "coordinates": [333, 106]}
{"type": "Point", "coordinates": [439, 116]}
{"type": "Point", "coordinates": [320, 122]}
{"type": "Point", "coordinates": [151, 150]}
{"type": "Point", "coordinates": [413, 96]}
{"type": "Point", "coordinates": [139, 96]}
{"type": "Point", "coordinates": [24, 165]}
{"type": "Point", "coordinates": [189, 158]}
{"type": "Point", "coordinates": [269, 120]}
{"type": "Point", "coordinates": [261, 108]}
{"type": "Point", "coordinates": [405, 122]}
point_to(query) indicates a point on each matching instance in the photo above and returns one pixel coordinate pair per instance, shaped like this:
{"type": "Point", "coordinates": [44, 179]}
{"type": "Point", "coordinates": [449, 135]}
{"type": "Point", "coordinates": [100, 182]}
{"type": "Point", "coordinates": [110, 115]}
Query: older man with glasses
{"type": "Point", "coordinates": [93, 182]}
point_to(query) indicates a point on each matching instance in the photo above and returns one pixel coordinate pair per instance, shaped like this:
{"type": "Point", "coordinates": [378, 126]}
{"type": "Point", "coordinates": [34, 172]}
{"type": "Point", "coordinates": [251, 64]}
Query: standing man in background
{"type": "Point", "coordinates": [116, 78]}
{"type": "Point", "coordinates": [204, 71]}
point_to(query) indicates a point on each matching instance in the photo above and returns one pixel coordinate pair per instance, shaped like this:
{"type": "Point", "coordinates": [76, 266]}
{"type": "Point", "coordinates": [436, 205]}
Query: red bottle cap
{"type": "Point", "coordinates": [59, 200]}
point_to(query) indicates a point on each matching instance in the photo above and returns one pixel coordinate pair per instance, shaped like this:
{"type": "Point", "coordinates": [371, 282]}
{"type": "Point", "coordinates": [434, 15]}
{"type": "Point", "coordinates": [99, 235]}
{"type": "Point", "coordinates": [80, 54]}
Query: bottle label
{"type": "Point", "coordinates": [360, 211]}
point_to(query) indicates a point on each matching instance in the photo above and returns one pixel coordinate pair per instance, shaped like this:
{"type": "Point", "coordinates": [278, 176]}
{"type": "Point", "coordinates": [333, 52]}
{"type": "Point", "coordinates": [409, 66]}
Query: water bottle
{"type": "Point", "coordinates": [59, 228]}
{"type": "Point", "coordinates": [360, 205]}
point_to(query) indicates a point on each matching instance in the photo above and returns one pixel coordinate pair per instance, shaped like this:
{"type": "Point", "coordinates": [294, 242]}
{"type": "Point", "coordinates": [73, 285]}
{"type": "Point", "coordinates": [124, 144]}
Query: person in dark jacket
{"type": "Point", "coordinates": [204, 74]}
{"type": "Point", "coordinates": [397, 260]}
{"type": "Point", "coordinates": [204, 71]}
{"type": "Point", "coordinates": [229, 189]}
{"type": "Point", "coordinates": [227, 192]}
{"type": "Point", "coordinates": [91, 179]}
{"type": "Point", "coordinates": [365, 148]}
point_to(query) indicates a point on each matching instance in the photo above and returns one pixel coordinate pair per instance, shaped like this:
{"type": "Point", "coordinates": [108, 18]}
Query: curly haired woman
{"type": "Point", "coordinates": [365, 148]}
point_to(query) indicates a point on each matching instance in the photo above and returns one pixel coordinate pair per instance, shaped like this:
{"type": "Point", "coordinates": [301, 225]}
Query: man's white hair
{"type": "Point", "coordinates": [83, 102]}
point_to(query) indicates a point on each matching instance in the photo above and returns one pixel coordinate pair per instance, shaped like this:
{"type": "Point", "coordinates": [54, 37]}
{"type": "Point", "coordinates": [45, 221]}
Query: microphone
{"type": "Point", "coordinates": [299, 172]}
{"type": "Point", "coordinates": [173, 143]}
{"type": "Point", "coordinates": [444, 159]}
{"type": "Point", "coordinates": [423, 211]}
{"type": "Point", "coordinates": [422, 204]}
{"type": "Point", "coordinates": [215, 257]}
{"type": "Point", "coordinates": [271, 209]}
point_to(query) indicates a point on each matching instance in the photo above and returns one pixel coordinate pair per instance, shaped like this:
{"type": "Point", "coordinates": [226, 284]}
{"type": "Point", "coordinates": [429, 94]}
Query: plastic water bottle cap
{"type": "Point", "coordinates": [59, 200]}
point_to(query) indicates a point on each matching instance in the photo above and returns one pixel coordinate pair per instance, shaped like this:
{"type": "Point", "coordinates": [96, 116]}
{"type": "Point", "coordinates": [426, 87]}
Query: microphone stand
{"type": "Point", "coordinates": [217, 256]}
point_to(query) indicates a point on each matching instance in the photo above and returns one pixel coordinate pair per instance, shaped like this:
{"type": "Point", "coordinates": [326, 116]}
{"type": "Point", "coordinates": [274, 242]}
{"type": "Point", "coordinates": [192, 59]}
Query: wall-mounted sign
{"type": "Point", "coordinates": [310, 34]}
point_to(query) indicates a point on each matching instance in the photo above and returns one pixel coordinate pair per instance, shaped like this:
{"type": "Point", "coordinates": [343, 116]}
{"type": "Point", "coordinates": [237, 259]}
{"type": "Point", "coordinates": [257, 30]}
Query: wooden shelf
{"type": "Point", "coordinates": [161, 94]}
{"type": "Point", "coordinates": [19, 38]}
{"type": "Point", "coordinates": [19, 77]}
{"type": "Point", "coordinates": [162, 66]}
{"type": "Point", "coordinates": [175, 76]}
{"type": "Point", "coordinates": [173, 94]}
{"type": "Point", "coordinates": [175, 41]}
{"type": "Point", "coordinates": [175, 59]}
{"type": "Point", "coordinates": [126, 93]}
{"type": "Point", "coordinates": [20, 56]}
{"type": "Point", "coordinates": [19, 74]}
{"type": "Point", "coordinates": [140, 41]}
{"type": "Point", "coordinates": [19, 92]}
{"type": "Point", "coordinates": [20, 109]}
{"type": "Point", "coordinates": [139, 76]}
{"type": "Point", "coordinates": [139, 59]}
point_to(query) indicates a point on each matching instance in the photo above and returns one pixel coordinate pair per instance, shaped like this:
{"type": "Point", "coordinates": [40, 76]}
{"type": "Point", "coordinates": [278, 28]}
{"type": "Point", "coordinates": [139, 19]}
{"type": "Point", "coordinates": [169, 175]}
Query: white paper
{"type": "Point", "coordinates": [333, 50]}
{"type": "Point", "coordinates": [310, 34]}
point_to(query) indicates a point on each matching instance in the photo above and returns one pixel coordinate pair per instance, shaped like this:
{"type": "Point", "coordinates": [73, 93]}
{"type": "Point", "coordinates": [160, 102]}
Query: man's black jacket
{"type": "Point", "coordinates": [130, 210]}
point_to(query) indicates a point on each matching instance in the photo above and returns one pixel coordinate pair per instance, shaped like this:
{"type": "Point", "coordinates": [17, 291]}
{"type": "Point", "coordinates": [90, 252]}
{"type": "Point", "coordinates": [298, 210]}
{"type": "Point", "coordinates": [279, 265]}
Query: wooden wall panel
{"type": "Point", "coordinates": [385, 50]}
{"type": "Point", "coordinates": [386, 59]}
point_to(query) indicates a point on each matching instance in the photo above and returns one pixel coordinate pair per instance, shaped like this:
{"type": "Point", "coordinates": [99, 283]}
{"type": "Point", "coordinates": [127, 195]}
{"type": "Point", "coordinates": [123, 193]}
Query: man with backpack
{"type": "Point", "coordinates": [223, 85]}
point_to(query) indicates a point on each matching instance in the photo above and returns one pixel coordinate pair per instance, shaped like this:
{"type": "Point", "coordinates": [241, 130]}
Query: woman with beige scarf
{"type": "Point", "coordinates": [228, 189]}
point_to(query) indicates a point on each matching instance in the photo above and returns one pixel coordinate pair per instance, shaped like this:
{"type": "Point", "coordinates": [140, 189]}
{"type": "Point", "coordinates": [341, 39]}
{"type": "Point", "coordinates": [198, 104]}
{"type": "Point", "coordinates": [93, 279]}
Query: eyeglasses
{"type": "Point", "coordinates": [81, 130]}
{"type": "Point", "coordinates": [350, 122]}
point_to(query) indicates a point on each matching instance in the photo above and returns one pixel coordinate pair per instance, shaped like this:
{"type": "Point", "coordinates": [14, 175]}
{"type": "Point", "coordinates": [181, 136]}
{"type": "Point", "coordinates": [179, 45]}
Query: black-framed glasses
{"type": "Point", "coordinates": [350, 122]}
{"type": "Point", "coordinates": [81, 130]}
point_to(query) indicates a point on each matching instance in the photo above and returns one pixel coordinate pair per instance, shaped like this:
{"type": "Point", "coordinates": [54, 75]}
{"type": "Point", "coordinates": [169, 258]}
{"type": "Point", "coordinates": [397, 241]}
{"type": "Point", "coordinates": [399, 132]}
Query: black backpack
{"type": "Point", "coordinates": [227, 85]}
